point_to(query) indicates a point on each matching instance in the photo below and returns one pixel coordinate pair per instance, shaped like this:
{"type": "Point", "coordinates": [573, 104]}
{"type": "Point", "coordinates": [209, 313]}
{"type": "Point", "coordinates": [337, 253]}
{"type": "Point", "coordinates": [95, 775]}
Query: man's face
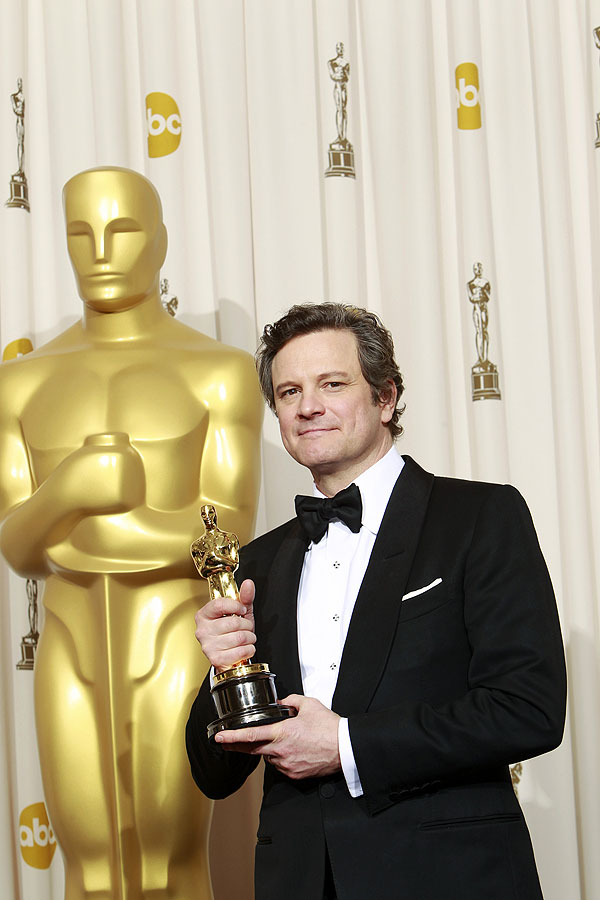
{"type": "Point", "coordinates": [115, 238]}
{"type": "Point", "coordinates": [327, 417]}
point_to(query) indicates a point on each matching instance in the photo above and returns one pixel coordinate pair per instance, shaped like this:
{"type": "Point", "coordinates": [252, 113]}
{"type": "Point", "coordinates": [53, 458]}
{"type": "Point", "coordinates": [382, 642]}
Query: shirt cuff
{"type": "Point", "coordinates": [347, 759]}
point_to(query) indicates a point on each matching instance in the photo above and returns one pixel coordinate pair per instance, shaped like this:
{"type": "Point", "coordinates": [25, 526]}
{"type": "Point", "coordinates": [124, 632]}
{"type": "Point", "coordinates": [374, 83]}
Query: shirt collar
{"type": "Point", "coordinates": [376, 485]}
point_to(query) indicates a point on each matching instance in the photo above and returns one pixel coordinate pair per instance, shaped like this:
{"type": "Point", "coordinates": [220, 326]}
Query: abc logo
{"type": "Point", "coordinates": [467, 96]}
{"type": "Point", "coordinates": [17, 348]}
{"type": "Point", "coordinates": [37, 840]}
{"type": "Point", "coordinates": [164, 124]}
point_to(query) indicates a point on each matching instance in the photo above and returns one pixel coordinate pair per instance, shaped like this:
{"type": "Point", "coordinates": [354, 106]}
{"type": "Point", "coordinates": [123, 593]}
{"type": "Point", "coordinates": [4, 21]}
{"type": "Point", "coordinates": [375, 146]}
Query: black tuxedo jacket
{"type": "Point", "coordinates": [443, 687]}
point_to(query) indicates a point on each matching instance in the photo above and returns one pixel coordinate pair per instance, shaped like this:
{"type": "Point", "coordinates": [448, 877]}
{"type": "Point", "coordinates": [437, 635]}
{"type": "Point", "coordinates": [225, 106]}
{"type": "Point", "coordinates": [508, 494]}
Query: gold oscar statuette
{"type": "Point", "coordinates": [341, 151]}
{"type": "Point", "coordinates": [485, 383]}
{"type": "Point", "coordinates": [244, 694]}
{"type": "Point", "coordinates": [112, 436]}
{"type": "Point", "coordinates": [597, 42]}
{"type": "Point", "coordinates": [19, 189]}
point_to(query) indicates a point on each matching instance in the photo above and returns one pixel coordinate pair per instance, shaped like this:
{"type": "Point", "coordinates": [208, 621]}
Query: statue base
{"type": "Point", "coordinates": [19, 191]}
{"type": "Point", "coordinates": [244, 696]}
{"type": "Point", "coordinates": [28, 648]}
{"type": "Point", "coordinates": [484, 382]}
{"type": "Point", "coordinates": [341, 162]}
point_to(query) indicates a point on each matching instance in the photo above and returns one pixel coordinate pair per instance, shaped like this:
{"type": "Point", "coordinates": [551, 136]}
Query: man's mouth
{"type": "Point", "coordinates": [309, 431]}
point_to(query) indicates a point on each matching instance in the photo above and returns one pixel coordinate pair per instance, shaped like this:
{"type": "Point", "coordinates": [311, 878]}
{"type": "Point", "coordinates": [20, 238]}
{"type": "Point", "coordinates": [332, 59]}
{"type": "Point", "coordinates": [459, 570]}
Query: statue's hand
{"type": "Point", "coordinates": [104, 476]}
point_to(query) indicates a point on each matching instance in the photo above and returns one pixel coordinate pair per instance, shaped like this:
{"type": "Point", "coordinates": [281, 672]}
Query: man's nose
{"type": "Point", "coordinates": [311, 404]}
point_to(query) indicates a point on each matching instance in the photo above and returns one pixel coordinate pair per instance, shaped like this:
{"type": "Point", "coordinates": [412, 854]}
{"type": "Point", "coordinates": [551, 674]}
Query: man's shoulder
{"type": "Point", "coordinates": [460, 491]}
{"type": "Point", "coordinates": [268, 542]}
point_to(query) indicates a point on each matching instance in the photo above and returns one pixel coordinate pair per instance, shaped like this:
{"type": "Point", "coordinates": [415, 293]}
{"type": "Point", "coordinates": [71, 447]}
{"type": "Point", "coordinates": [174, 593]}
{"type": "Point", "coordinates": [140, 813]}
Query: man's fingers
{"type": "Point", "coordinates": [233, 625]}
{"type": "Point", "coordinates": [247, 591]}
{"type": "Point", "coordinates": [226, 659]}
{"type": "Point", "coordinates": [257, 734]}
{"type": "Point", "coordinates": [295, 700]}
{"type": "Point", "coordinates": [222, 606]}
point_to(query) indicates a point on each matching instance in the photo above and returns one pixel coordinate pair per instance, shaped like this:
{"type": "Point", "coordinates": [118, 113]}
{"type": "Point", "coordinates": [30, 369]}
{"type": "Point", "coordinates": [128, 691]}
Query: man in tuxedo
{"type": "Point", "coordinates": [411, 622]}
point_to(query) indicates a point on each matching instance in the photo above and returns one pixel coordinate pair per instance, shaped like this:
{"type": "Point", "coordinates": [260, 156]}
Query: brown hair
{"type": "Point", "coordinates": [374, 344]}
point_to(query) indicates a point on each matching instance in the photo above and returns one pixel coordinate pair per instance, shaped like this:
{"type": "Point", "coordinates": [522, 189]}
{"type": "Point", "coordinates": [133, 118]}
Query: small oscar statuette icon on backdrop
{"type": "Point", "coordinates": [484, 374]}
{"type": "Point", "coordinates": [245, 694]}
{"type": "Point", "coordinates": [341, 151]}
{"type": "Point", "coordinates": [597, 42]}
{"type": "Point", "coordinates": [30, 641]}
{"type": "Point", "coordinates": [19, 189]}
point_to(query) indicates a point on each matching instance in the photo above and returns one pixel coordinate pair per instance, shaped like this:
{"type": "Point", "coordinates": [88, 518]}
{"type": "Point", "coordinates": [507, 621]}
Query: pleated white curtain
{"type": "Point", "coordinates": [247, 106]}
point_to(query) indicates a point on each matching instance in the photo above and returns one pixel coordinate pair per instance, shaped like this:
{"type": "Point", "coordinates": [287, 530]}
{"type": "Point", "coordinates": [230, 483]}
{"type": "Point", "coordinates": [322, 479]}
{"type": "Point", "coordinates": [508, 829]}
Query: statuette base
{"type": "Point", "coordinates": [19, 194]}
{"type": "Point", "coordinates": [341, 162]}
{"type": "Point", "coordinates": [28, 648]}
{"type": "Point", "coordinates": [244, 696]}
{"type": "Point", "coordinates": [485, 383]}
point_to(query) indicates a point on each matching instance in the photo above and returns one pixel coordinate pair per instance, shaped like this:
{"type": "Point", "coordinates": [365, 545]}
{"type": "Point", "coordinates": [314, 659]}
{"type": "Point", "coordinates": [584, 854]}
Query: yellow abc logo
{"type": "Point", "coordinates": [38, 844]}
{"type": "Point", "coordinates": [163, 123]}
{"type": "Point", "coordinates": [467, 96]}
{"type": "Point", "coordinates": [17, 348]}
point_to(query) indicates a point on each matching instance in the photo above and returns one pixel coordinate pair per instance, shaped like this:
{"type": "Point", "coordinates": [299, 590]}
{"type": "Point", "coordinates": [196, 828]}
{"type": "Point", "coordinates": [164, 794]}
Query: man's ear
{"type": "Point", "coordinates": [388, 398]}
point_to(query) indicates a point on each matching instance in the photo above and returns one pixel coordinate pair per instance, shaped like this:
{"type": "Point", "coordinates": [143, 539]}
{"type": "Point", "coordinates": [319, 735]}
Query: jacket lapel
{"type": "Point", "coordinates": [278, 613]}
{"type": "Point", "coordinates": [373, 623]}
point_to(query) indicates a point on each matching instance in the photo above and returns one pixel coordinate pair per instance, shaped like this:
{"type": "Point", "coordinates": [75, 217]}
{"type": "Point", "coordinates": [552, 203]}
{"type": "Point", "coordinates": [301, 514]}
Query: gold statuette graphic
{"type": "Point", "coordinates": [30, 640]}
{"type": "Point", "coordinates": [597, 42]}
{"type": "Point", "coordinates": [170, 304]}
{"type": "Point", "coordinates": [484, 374]}
{"type": "Point", "coordinates": [19, 191]}
{"type": "Point", "coordinates": [113, 436]}
{"type": "Point", "coordinates": [245, 694]}
{"type": "Point", "coordinates": [341, 152]}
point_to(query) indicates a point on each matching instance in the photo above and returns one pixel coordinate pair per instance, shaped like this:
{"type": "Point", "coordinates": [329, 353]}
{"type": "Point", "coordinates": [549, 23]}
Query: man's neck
{"type": "Point", "coordinates": [140, 322]}
{"type": "Point", "coordinates": [332, 481]}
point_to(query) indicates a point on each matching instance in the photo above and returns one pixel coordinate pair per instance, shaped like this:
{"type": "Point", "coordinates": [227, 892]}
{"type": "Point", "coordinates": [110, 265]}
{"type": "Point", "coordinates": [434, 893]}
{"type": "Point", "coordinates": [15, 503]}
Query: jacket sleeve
{"type": "Point", "coordinates": [514, 704]}
{"type": "Point", "coordinates": [217, 772]}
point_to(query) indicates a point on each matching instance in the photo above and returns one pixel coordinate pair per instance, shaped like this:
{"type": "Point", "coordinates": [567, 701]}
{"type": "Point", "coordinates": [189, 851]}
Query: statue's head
{"type": "Point", "coordinates": [209, 516]}
{"type": "Point", "coordinates": [116, 237]}
{"type": "Point", "coordinates": [339, 49]}
{"type": "Point", "coordinates": [477, 269]}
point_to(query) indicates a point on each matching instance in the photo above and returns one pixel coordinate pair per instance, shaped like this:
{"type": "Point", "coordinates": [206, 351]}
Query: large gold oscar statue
{"type": "Point", "coordinates": [112, 436]}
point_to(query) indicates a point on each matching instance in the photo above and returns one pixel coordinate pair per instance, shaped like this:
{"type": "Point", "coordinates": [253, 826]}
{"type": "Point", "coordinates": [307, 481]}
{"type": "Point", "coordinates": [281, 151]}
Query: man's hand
{"type": "Point", "coordinates": [225, 628]}
{"type": "Point", "coordinates": [303, 747]}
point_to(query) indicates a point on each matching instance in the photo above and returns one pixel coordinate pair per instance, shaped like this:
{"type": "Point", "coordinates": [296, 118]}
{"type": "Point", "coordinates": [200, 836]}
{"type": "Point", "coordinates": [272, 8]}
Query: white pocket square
{"type": "Point", "coordinates": [422, 590]}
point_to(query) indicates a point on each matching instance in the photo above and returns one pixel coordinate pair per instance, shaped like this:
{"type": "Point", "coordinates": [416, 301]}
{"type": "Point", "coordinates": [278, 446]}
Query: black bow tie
{"type": "Point", "coordinates": [315, 514]}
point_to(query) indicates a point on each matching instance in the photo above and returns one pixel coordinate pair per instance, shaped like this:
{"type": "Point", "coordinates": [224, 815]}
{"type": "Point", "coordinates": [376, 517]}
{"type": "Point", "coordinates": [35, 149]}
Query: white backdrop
{"type": "Point", "coordinates": [254, 226]}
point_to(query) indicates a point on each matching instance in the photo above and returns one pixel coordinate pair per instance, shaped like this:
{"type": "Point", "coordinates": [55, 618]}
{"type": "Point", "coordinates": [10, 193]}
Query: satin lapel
{"type": "Point", "coordinates": [373, 623]}
{"type": "Point", "coordinates": [278, 621]}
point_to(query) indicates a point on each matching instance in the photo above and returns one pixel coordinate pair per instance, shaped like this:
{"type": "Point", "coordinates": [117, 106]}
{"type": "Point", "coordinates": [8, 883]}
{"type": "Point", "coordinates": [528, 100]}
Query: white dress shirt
{"type": "Point", "coordinates": [331, 577]}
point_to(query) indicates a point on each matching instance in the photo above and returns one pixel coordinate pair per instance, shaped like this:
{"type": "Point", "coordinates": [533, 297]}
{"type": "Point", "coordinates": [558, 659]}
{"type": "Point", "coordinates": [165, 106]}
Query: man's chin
{"type": "Point", "coordinates": [318, 460]}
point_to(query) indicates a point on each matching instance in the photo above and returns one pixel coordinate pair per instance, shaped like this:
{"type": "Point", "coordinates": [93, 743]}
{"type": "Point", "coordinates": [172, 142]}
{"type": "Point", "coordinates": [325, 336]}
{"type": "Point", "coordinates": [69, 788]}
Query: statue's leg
{"type": "Point", "coordinates": [80, 802]}
{"type": "Point", "coordinates": [117, 670]}
{"type": "Point", "coordinates": [171, 817]}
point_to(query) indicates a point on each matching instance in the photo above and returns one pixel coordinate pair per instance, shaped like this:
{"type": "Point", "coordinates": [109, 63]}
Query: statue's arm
{"type": "Point", "coordinates": [230, 467]}
{"type": "Point", "coordinates": [90, 481]}
{"type": "Point", "coordinates": [155, 539]}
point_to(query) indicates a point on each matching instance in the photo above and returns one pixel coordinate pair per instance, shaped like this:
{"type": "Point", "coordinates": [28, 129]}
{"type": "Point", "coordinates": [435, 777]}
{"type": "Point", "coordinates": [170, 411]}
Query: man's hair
{"type": "Point", "coordinates": [374, 344]}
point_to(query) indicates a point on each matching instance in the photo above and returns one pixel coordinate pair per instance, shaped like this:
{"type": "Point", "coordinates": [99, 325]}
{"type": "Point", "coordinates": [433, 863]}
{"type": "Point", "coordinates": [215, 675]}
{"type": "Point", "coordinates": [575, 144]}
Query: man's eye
{"type": "Point", "coordinates": [289, 392]}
